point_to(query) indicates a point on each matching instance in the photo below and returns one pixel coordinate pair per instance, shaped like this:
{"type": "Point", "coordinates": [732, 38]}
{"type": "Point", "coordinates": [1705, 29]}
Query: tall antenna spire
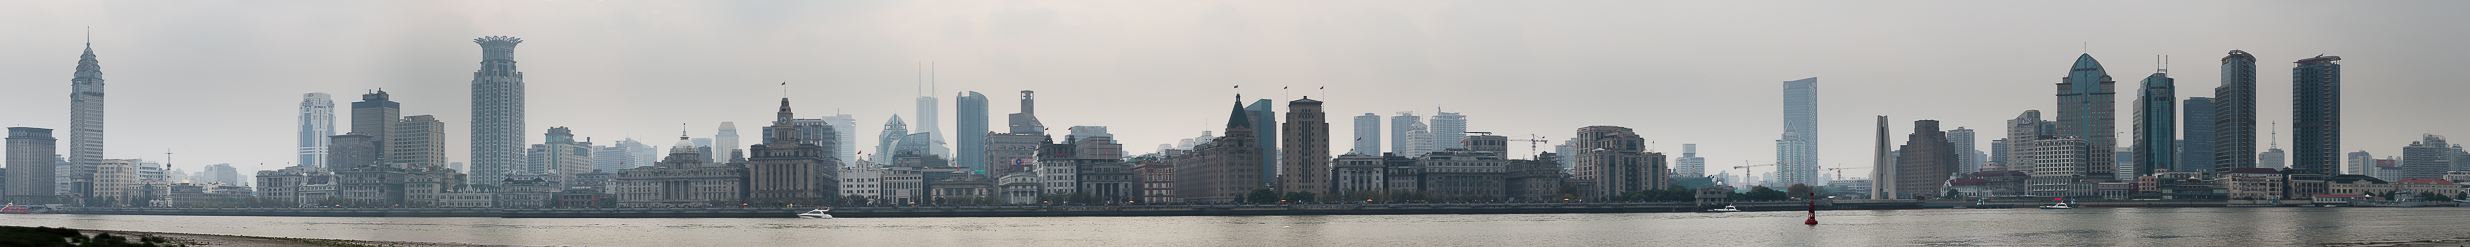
{"type": "Point", "coordinates": [930, 78]}
{"type": "Point", "coordinates": [921, 80]}
{"type": "Point", "coordinates": [2276, 134]}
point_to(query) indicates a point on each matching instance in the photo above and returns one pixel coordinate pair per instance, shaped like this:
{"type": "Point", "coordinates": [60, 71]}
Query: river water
{"type": "Point", "coordinates": [1995, 227]}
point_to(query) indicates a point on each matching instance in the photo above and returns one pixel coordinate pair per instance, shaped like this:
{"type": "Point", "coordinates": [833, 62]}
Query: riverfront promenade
{"type": "Point", "coordinates": [1012, 211]}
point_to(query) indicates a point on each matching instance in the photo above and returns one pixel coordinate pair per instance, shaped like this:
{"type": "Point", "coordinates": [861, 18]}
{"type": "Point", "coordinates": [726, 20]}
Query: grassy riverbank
{"type": "Point", "coordinates": [65, 237]}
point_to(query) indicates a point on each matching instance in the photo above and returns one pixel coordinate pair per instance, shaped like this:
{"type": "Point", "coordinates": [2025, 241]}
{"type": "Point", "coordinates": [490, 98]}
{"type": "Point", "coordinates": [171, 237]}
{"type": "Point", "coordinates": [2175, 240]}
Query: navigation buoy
{"type": "Point", "coordinates": [1813, 210]}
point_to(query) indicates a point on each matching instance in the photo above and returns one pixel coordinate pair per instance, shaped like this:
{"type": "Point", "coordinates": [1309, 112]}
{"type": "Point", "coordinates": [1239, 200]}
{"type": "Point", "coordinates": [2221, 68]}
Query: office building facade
{"type": "Point", "coordinates": [2156, 122]}
{"type": "Point", "coordinates": [2315, 126]}
{"type": "Point", "coordinates": [497, 111]}
{"type": "Point", "coordinates": [2234, 114]}
{"type": "Point", "coordinates": [316, 122]}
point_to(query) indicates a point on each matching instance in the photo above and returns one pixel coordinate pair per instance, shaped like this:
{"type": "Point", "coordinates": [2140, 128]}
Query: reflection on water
{"type": "Point", "coordinates": [2111, 227]}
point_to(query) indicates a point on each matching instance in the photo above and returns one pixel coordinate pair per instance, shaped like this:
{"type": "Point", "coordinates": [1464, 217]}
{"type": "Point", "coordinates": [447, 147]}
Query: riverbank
{"type": "Point", "coordinates": [33, 236]}
{"type": "Point", "coordinates": [1015, 210]}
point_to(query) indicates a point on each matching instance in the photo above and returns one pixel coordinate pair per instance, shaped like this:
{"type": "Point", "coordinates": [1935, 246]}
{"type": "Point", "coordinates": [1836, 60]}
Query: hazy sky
{"type": "Point", "coordinates": [220, 81]}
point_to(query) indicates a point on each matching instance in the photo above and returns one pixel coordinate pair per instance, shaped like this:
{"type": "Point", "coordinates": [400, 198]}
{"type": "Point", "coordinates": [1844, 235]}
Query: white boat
{"type": "Point", "coordinates": [2061, 205]}
{"type": "Point", "coordinates": [1727, 208]}
{"type": "Point", "coordinates": [816, 214]}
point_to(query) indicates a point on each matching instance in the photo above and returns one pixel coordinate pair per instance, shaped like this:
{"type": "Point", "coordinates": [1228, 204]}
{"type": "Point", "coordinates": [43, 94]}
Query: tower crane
{"type": "Point", "coordinates": [1746, 165]}
{"type": "Point", "coordinates": [1533, 142]}
{"type": "Point", "coordinates": [1839, 171]}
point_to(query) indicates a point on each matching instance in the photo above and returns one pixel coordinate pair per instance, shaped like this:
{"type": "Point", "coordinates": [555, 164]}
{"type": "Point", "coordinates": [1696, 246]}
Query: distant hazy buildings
{"type": "Point", "coordinates": [1967, 159]}
{"type": "Point", "coordinates": [1399, 141]}
{"type": "Point", "coordinates": [2315, 124]}
{"type": "Point", "coordinates": [889, 139]}
{"type": "Point", "coordinates": [1367, 135]}
{"type": "Point", "coordinates": [1797, 152]}
{"type": "Point", "coordinates": [375, 115]}
{"type": "Point", "coordinates": [2358, 163]}
{"type": "Point", "coordinates": [846, 128]}
{"type": "Point", "coordinates": [2427, 158]}
{"type": "Point", "coordinates": [497, 111]}
{"type": "Point", "coordinates": [417, 141]}
{"type": "Point", "coordinates": [725, 143]}
{"type": "Point", "coordinates": [316, 122]}
{"type": "Point", "coordinates": [2196, 154]}
{"type": "Point", "coordinates": [2234, 114]}
{"type": "Point", "coordinates": [1689, 164]}
{"type": "Point", "coordinates": [1449, 130]}
{"type": "Point", "coordinates": [2156, 110]}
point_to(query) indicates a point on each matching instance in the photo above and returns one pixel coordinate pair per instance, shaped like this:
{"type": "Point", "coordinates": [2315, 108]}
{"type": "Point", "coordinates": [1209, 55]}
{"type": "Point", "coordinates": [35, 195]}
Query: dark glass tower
{"type": "Point", "coordinates": [2087, 108]}
{"type": "Point", "coordinates": [2234, 114]}
{"type": "Point", "coordinates": [1265, 131]}
{"type": "Point", "coordinates": [2196, 154]}
{"type": "Point", "coordinates": [971, 111]}
{"type": "Point", "coordinates": [497, 111]}
{"type": "Point", "coordinates": [2315, 116]}
{"type": "Point", "coordinates": [2156, 118]}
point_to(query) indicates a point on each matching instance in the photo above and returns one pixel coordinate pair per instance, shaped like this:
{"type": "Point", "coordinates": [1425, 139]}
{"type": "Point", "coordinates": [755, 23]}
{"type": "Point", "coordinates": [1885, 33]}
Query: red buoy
{"type": "Point", "coordinates": [1813, 210]}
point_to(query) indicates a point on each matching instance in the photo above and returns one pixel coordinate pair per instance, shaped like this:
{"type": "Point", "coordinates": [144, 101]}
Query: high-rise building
{"type": "Point", "coordinates": [2196, 154]}
{"type": "Point", "coordinates": [2021, 134]}
{"type": "Point", "coordinates": [819, 132]}
{"type": "Point", "coordinates": [612, 158]}
{"type": "Point", "coordinates": [85, 123]}
{"type": "Point", "coordinates": [1449, 130]}
{"type": "Point", "coordinates": [1689, 165]}
{"type": "Point", "coordinates": [417, 142]}
{"type": "Point", "coordinates": [1026, 122]}
{"type": "Point", "coordinates": [930, 121]}
{"type": "Point", "coordinates": [846, 128]}
{"type": "Point", "coordinates": [726, 142]}
{"type": "Point", "coordinates": [2358, 163]}
{"type": "Point", "coordinates": [316, 122]}
{"type": "Point", "coordinates": [2273, 157]}
{"type": "Point", "coordinates": [1224, 169]}
{"type": "Point", "coordinates": [352, 150]}
{"type": "Point", "coordinates": [497, 111]}
{"type": "Point", "coordinates": [2315, 125]}
{"type": "Point", "coordinates": [2156, 122]}
{"type": "Point", "coordinates": [2058, 163]}
{"type": "Point", "coordinates": [786, 169]}
{"type": "Point", "coordinates": [373, 116]}
{"type": "Point", "coordinates": [1614, 160]}
{"type": "Point", "coordinates": [1367, 135]}
{"type": "Point", "coordinates": [1399, 125]}
{"type": "Point", "coordinates": [2087, 107]}
{"type": "Point", "coordinates": [562, 157]}
{"type": "Point", "coordinates": [2234, 114]}
{"type": "Point", "coordinates": [1796, 157]}
{"type": "Point", "coordinates": [971, 109]}
{"type": "Point", "coordinates": [1265, 127]}
{"type": "Point", "coordinates": [2426, 158]}
{"type": "Point", "coordinates": [1927, 161]}
{"type": "Point", "coordinates": [31, 177]}
{"type": "Point", "coordinates": [893, 131]}
{"type": "Point", "coordinates": [1306, 150]}
{"type": "Point", "coordinates": [2123, 167]}
{"type": "Point", "coordinates": [1419, 140]}
{"type": "Point", "coordinates": [1967, 159]}
{"type": "Point", "coordinates": [222, 173]}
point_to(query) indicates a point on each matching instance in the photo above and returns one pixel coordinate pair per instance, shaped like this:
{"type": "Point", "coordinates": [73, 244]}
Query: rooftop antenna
{"type": "Point", "coordinates": [2276, 135]}
{"type": "Point", "coordinates": [921, 80]}
{"type": "Point", "coordinates": [930, 77]}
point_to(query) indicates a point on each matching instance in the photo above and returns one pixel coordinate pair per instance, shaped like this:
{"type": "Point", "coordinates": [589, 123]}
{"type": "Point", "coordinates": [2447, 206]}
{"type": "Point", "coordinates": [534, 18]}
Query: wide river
{"type": "Point", "coordinates": [2077, 227]}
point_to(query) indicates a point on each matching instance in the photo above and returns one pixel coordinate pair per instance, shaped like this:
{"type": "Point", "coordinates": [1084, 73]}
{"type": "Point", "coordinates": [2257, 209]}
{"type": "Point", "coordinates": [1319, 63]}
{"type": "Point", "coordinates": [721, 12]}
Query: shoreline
{"type": "Point", "coordinates": [196, 239]}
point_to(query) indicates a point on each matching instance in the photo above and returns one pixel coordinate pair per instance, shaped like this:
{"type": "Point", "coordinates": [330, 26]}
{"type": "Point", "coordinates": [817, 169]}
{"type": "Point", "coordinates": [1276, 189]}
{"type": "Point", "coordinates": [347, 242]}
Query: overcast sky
{"type": "Point", "coordinates": [220, 81]}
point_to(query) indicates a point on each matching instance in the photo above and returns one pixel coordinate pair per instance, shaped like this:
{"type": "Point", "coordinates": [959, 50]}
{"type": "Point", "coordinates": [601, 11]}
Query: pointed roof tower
{"type": "Point", "coordinates": [1238, 119]}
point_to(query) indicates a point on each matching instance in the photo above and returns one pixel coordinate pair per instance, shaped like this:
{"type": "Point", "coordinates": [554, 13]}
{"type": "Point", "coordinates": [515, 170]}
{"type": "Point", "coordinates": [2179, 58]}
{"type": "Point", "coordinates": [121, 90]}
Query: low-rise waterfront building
{"type": "Point", "coordinates": [2254, 183]}
{"type": "Point", "coordinates": [684, 179]}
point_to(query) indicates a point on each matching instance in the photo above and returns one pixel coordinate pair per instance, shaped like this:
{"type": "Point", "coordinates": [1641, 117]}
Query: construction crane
{"type": "Point", "coordinates": [1746, 165]}
{"type": "Point", "coordinates": [1839, 171]}
{"type": "Point", "coordinates": [1533, 143]}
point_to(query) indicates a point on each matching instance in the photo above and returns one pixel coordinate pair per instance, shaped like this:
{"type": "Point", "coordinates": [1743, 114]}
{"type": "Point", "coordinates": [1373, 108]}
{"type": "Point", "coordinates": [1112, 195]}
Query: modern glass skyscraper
{"type": "Point", "coordinates": [1265, 128]}
{"type": "Point", "coordinates": [2156, 116]}
{"type": "Point", "coordinates": [316, 122]}
{"type": "Point", "coordinates": [1367, 134]}
{"type": "Point", "coordinates": [2315, 124]}
{"type": "Point", "coordinates": [2234, 114]}
{"type": "Point", "coordinates": [846, 127]}
{"type": "Point", "coordinates": [930, 116]}
{"type": "Point", "coordinates": [1449, 130]}
{"type": "Point", "coordinates": [2087, 107]}
{"type": "Point", "coordinates": [885, 142]}
{"type": "Point", "coordinates": [2196, 153]}
{"type": "Point", "coordinates": [497, 111]}
{"type": "Point", "coordinates": [85, 123]}
{"type": "Point", "coordinates": [970, 109]}
{"type": "Point", "coordinates": [1797, 152]}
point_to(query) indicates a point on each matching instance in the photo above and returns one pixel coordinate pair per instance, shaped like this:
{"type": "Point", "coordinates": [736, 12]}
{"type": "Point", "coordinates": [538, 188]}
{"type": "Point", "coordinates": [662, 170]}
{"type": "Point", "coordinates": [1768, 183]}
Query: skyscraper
{"type": "Point", "coordinates": [725, 143]}
{"type": "Point", "coordinates": [316, 122]}
{"type": "Point", "coordinates": [2021, 132]}
{"type": "Point", "coordinates": [2196, 154]}
{"type": "Point", "coordinates": [930, 116]}
{"type": "Point", "coordinates": [85, 123]}
{"type": "Point", "coordinates": [1797, 152]}
{"type": "Point", "coordinates": [971, 110]}
{"type": "Point", "coordinates": [373, 116]}
{"type": "Point", "coordinates": [1449, 130]}
{"type": "Point", "coordinates": [1367, 135]}
{"type": "Point", "coordinates": [1926, 162]}
{"type": "Point", "coordinates": [497, 111]}
{"type": "Point", "coordinates": [1306, 150]}
{"type": "Point", "coordinates": [1399, 125]}
{"type": "Point", "coordinates": [2087, 107]}
{"type": "Point", "coordinates": [417, 142]}
{"type": "Point", "coordinates": [562, 156]}
{"type": "Point", "coordinates": [1265, 122]}
{"type": "Point", "coordinates": [31, 171]}
{"type": "Point", "coordinates": [2315, 125]}
{"type": "Point", "coordinates": [2234, 114]}
{"type": "Point", "coordinates": [846, 127]}
{"type": "Point", "coordinates": [2156, 120]}
{"type": "Point", "coordinates": [1967, 159]}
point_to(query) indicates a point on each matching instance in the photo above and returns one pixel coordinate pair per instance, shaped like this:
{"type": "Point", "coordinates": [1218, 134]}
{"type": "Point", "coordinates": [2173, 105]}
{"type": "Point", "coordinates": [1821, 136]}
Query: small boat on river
{"type": "Point", "coordinates": [2061, 205]}
{"type": "Point", "coordinates": [1726, 209]}
{"type": "Point", "coordinates": [820, 213]}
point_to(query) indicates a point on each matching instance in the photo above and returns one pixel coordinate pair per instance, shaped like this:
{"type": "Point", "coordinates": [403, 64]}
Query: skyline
{"type": "Point", "coordinates": [159, 73]}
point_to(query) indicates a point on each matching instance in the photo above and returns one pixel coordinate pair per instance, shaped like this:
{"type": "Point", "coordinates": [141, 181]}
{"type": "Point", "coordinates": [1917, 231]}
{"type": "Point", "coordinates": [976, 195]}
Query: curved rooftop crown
{"type": "Point", "coordinates": [2238, 55]}
{"type": "Point", "coordinates": [498, 40]}
{"type": "Point", "coordinates": [2086, 62]}
{"type": "Point", "coordinates": [87, 67]}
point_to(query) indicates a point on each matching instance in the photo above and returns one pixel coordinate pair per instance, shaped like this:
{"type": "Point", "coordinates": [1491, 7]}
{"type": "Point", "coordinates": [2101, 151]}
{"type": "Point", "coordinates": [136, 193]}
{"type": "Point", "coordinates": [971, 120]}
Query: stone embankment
{"type": "Point", "coordinates": [1015, 211]}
